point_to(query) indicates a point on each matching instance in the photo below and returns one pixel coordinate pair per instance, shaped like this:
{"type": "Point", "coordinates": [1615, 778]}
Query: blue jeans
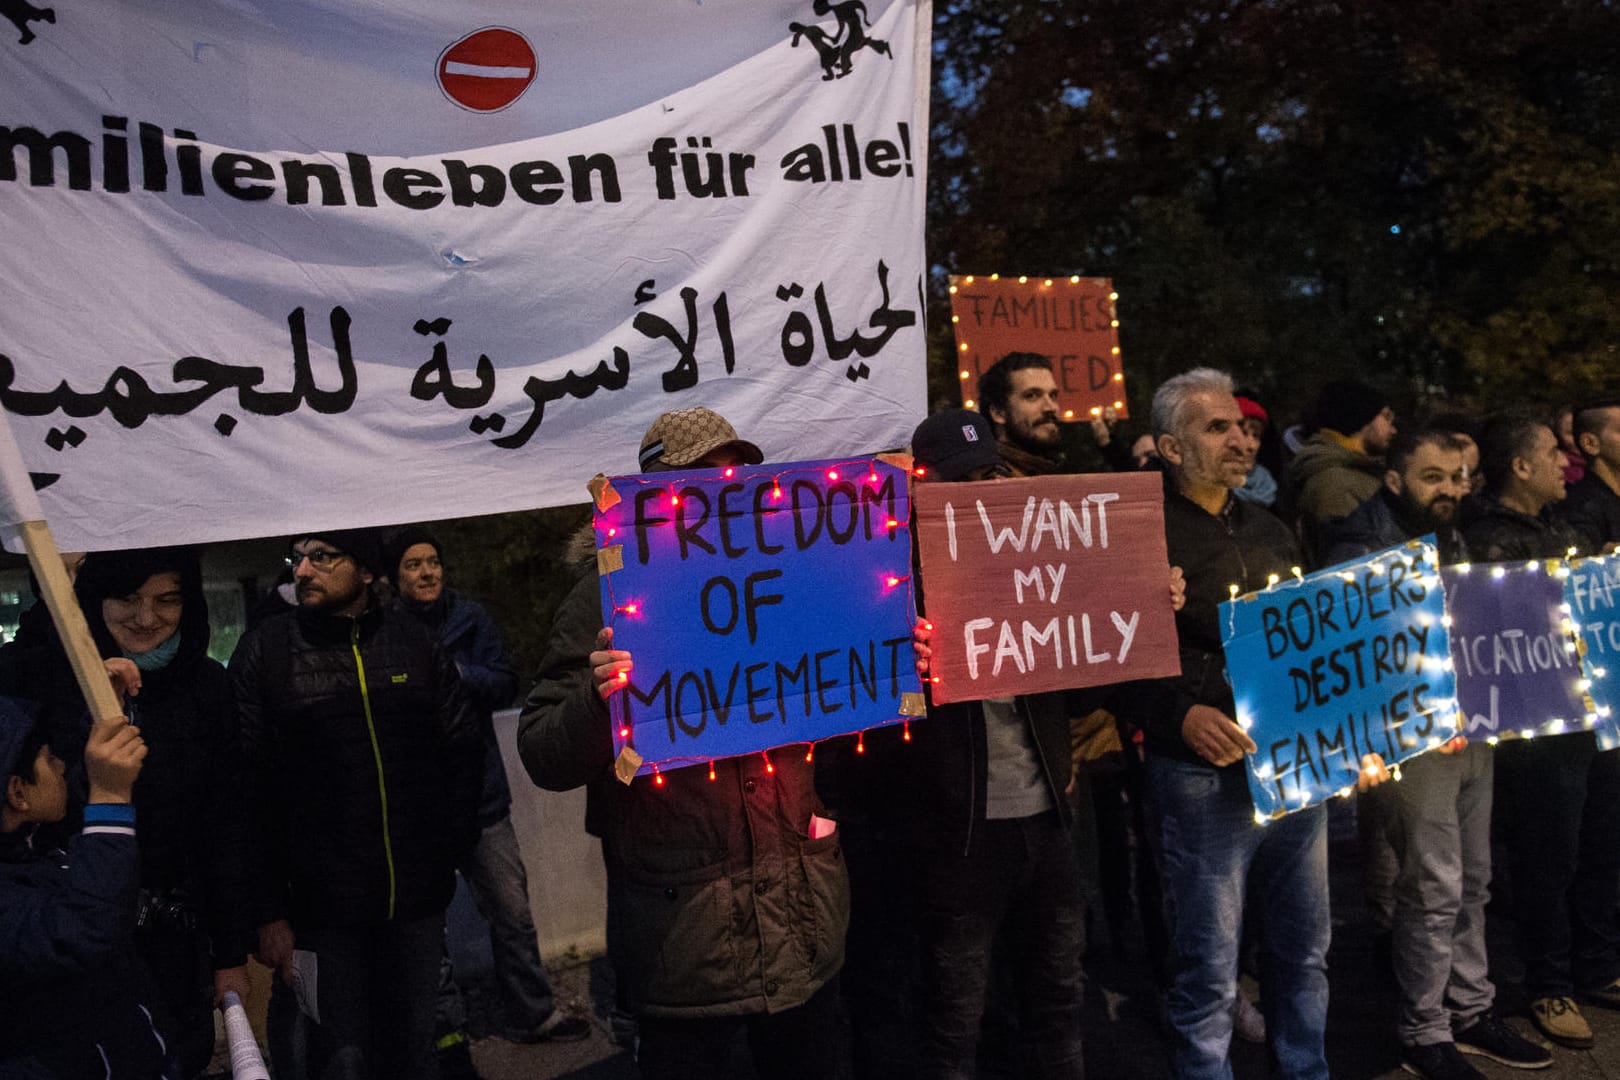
{"type": "Point", "coordinates": [1210, 848]}
{"type": "Point", "coordinates": [494, 873]}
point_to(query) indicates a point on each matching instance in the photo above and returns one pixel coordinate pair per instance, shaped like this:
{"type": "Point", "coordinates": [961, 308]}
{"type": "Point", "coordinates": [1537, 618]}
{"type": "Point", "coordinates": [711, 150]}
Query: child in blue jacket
{"type": "Point", "coordinates": [77, 1001]}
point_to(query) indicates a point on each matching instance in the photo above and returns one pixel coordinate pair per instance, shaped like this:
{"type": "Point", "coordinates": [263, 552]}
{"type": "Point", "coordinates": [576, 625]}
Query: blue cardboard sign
{"type": "Point", "coordinates": [1592, 604]}
{"type": "Point", "coordinates": [1328, 668]}
{"type": "Point", "coordinates": [762, 606]}
{"type": "Point", "coordinates": [1517, 668]}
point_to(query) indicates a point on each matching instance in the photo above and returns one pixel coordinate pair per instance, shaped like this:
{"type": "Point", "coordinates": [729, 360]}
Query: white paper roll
{"type": "Point", "coordinates": [246, 1061]}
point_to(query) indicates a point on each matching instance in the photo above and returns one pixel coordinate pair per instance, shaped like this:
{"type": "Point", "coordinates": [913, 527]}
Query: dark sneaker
{"type": "Point", "coordinates": [559, 1027]}
{"type": "Point", "coordinates": [1438, 1061]}
{"type": "Point", "coordinates": [1491, 1037]}
{"type": "Point", "coordinates": [1560, 1020]}
{"type": "Point", "coordinates": [1607, 996]}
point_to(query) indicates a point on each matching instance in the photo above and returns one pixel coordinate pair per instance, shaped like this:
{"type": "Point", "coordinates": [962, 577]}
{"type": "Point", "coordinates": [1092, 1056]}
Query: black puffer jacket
{"type": "Point", "coordinates": [1497, 533]}
{"type": "Point", "coordinates": [1592, 508]}
{"type": "Point", "coordinates": [1241, 546]}
{"type": "Point", "coordinates": [364, 795]}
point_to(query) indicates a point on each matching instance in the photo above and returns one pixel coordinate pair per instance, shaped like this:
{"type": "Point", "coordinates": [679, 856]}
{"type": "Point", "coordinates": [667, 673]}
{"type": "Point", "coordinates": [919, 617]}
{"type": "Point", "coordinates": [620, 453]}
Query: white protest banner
{"type": "Point", "coordinates": [279, 265]}
{"type": "Point", "coordinates": [18, 502]}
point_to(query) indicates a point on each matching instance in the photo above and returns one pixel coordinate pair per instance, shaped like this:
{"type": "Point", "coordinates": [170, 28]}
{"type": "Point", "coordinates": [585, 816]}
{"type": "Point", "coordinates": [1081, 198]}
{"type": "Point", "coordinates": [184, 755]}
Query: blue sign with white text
{"type": "Point", "coordinates": [1592, 599]}
{"type": "Point", "coordinates": [763, 605]}
{"type": "Point", "coordinates": [1346, 662]}
{"type": "Point", "coordinates": [1517, 670]}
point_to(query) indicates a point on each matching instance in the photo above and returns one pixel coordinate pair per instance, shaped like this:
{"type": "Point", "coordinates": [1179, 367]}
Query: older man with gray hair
{"type": "Point", "coordinates": [1203, 817]}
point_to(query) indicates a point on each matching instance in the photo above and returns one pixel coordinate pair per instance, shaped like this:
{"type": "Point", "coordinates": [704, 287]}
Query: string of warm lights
{"type": "Point", "coordinates": [1023, 279]}
{"type": "Point", "coordinates": [1422, 561]}
{"type": "Point", "coordinates": [846, 470]}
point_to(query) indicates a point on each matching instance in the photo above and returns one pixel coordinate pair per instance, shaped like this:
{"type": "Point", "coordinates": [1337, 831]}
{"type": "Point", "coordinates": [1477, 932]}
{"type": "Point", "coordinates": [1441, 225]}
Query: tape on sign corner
{"type": "Point", "coordinates": [609, 559]}
{"type": "Point", "coordinates": [605, 495]}
{"type": "Point", "coordinates": [626, 764]}
{"type": "Point", "coordinates": [913, 704]}
{"type": "Point", "coordinates": [903, 462]}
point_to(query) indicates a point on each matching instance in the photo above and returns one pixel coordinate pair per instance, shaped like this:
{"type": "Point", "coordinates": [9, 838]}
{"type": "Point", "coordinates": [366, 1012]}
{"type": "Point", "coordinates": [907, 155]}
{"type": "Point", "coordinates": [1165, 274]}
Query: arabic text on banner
{"type": "Point", "coordinates": [272, 264]}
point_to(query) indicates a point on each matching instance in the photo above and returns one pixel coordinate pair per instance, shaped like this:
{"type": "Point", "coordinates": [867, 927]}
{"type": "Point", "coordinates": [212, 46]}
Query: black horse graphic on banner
{"type": "Point", "coordinates": [837, 49]}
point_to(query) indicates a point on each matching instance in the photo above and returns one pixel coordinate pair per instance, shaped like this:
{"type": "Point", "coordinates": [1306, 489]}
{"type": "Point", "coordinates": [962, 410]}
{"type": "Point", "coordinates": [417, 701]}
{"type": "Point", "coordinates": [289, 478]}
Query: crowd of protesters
{"type": "Point", "coordinates": [914, 909]}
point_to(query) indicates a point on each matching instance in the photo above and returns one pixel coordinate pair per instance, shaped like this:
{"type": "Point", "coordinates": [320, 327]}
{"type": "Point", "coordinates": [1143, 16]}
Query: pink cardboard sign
{"type": "Point", "coordinates": [1045, 583]}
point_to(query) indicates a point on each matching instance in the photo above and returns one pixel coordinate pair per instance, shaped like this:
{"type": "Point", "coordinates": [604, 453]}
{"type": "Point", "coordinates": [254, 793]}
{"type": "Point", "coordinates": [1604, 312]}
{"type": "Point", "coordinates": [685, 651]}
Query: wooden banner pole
{"type": "Point", "coordinates": [57, 592]}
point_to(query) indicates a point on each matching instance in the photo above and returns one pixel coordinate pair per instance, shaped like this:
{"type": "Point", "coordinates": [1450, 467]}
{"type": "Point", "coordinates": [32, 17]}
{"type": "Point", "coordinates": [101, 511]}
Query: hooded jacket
{"type": "Point", "coordinates": [1329, 479]}
{"type": "Point", "coordinates": [189, 795]}
{"type": "Point", "coordinates": [727, 905]}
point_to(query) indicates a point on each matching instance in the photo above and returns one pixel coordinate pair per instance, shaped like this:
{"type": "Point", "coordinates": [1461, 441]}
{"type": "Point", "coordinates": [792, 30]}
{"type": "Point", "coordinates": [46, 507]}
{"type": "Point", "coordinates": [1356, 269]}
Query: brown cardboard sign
{"type": "Point", "coordinates": [1070, 320]}
{"type": "Point", "coordinates": [1045, 583]}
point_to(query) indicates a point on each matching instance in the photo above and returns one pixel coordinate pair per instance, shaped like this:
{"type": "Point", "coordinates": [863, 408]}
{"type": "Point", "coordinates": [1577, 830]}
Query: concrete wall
{"type": "Point", "coordinates": [567, 885]}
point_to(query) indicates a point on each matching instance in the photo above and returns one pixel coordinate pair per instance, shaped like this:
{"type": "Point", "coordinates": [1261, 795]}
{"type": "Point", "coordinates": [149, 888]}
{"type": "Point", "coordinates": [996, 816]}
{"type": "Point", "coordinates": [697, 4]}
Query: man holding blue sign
{"type": "Point", "coordinates": [1439, 817]}
{"type": "Point", "coordinates": [697, 853]}
{"type": "Point", "coordinates": [1210, 845]}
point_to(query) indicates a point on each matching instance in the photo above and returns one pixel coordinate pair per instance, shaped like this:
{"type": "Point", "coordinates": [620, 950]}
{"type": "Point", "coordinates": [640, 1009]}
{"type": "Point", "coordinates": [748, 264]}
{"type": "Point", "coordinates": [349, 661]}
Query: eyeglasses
{"type": "Point", "coordinates": [321, 560]}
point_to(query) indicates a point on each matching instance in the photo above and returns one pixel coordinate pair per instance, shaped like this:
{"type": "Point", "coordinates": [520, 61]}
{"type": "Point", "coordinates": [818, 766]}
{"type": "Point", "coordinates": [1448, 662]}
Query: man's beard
{"type": "Point", "coordinates": [1026, 439]}
{"type": "Point", "coordinates": [1428, 516]}
{"type": "Point", "coordinates": [323, 599]}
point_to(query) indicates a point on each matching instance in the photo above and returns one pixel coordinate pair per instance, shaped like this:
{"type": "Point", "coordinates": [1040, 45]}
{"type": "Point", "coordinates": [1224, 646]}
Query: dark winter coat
{"type": "Point", "coordinates": [1592, 508]}
{"type": "Point", "coordinates": [1329, 480]}
{"type": "Point", "coordinates": [929, 792]}
{"type": "Point", "coordinates": [474, 645]}
{"type": "Point", "coordinates": [1381, 522]}
{"type": "Point", "coordinates": [1497, 533]}
{"type": "Point", "coordinates": [78, 1002]}
{"type": "Point", "coordinates": [364, 793]}
{"type": "Point", "coordinates": [728, 907]}
{"type": "Point", "coordinates": [1241, 546]}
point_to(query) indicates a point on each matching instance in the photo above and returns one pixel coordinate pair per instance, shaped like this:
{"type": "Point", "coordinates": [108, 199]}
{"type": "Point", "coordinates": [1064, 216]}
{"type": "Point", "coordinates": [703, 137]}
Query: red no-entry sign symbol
{"type": "Point", "coordinates": [487, 70]}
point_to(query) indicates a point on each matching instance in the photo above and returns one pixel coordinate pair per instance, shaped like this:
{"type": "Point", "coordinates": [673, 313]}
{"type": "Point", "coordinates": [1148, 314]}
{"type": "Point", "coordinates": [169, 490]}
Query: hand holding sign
{"type": "Point", "coordinates": [1214, 736]}
{"type": "Point", "coordinates": [922, 639]}
{"type": "Point", "coordinates": [1340, 673]}
{"type": "Point", "coordinates": [763, 606]}
{"type": "Point", "coordinates": [610, 667]}
{"type": "Point", "coordinates": [112, 759]}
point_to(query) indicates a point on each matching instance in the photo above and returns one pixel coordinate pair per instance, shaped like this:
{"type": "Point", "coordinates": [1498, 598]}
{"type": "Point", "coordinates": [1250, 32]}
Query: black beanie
{"type": "Point", "coordinates": [402, 540]}
{"type": "Point", "coordinates": [359, 544]}
{"type": "Point", "coordinates": [1347, 406]}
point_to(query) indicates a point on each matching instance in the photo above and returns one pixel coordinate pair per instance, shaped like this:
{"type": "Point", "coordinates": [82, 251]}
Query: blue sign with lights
{"type": "Point", "coordinates": [1592, 603]}
{"type": "Point", "coordinates": [1333, 666]}
{"type": "Point", "coordinates": [1517, 670]}
{"type": "Point", "coordinates": [763, 606]}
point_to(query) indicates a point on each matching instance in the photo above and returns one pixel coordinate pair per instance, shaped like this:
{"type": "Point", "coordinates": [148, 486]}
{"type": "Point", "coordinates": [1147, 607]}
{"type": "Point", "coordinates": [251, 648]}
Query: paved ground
{"type": "Point", "coordinates": [1121, 1027]}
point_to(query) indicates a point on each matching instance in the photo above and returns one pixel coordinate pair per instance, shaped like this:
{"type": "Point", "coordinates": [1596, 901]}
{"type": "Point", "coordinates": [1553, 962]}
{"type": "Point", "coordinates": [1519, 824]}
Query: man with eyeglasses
{"type": "Point", "coordinates": [364, 761]}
